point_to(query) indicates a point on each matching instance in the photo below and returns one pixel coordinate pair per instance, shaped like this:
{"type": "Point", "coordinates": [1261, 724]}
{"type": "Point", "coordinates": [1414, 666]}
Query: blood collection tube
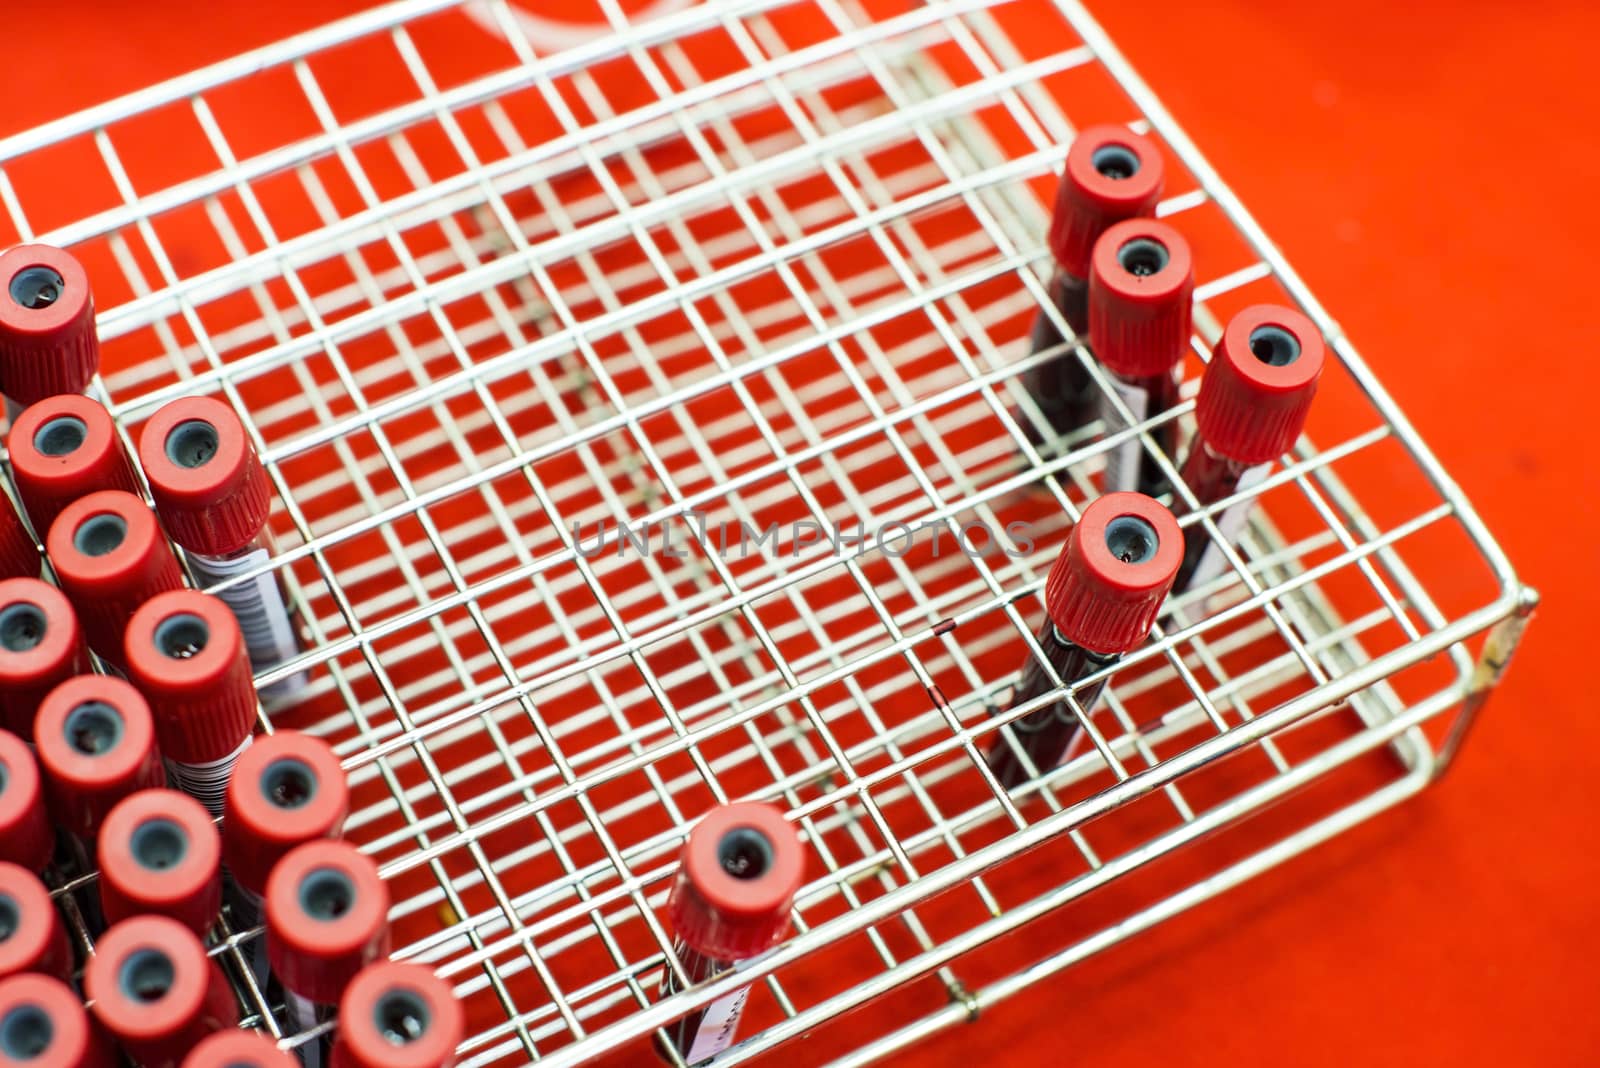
{"type": "Point", "coordinates": [236, 1048]}
{"type": "Point", "coordinates": [160, 855]}
{"type": "Point", "coordinates": [26, 838]}
{"type": "Point", "coordinates": [40, 647]}
{"type": "Point", "coordinates": [327, 918]}
{"type": "Point", "coordinates": [155, 991]}
{"type": "Point", "coordinates": [19, 556]}
{"type": "Point", "coordinates": [44, 1025]}
{"type": "Point", "coordinates": [1252, 405]}
{"type": "Point", "coordinates": [97, 744]}
{"type": "Point", "coordinates": [214, 499]}
{"type": "Point", "coordinates": [63, 448]}
{"type": "Point", "coordinates": [110, 558]}
{"type": "Point", "coordinates": [286, 790]}
{"type": "Point", "coordinates": [32, 938]}
{"type": "Point", "coordinates": [48, 343]}
{"type": "Point", "coordinates": [1141, 287]}
{"type": "Point", "coordinates": [737, 876]}
{"type": "Point", "coordinates": [398, 1016]}
{"type": "Point", "coordinates": [1101, 597]}
{"type": "Point", "coordinates": [1111, 174]}
{"type": "Point", "coordinates": [185, 654]}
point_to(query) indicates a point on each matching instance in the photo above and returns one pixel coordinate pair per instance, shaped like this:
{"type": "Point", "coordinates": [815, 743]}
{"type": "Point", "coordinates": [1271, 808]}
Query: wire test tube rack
{"type": "Point", "coordinates": [477, 295]}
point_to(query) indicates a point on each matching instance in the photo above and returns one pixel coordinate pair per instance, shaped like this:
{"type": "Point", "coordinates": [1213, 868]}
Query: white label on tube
{"type": "Point", "coordinates": [206, 783]}
{"type": "Point", "coordinates": [1122, 462]}
{"type": "Point", "coordinates": [258, 606]}
{"type": "Point", "coordinates": [717, 1026]}
{"type": "Point", "coordinates": [1231, 524]}
{"type": "Point", "coordinates": [262, 615]}
{"type": "Point", "coordinates": [303, 1016]}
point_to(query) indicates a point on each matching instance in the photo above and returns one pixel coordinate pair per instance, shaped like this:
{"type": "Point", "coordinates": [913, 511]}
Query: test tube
{"type": "Point", "coordinates": [26, 837]}
{"type": "Point", "coordinates": [97, 745]}
{"type": "Point", "coordinates": [1101, 597]}
{"type": "Point", "coordinates": [110, 558]}
{"type": "Point", "coordinates": [738, 873]}
{"type": "Point", "coordinates": [286, 790]}
{"type": "Point", "coordinates": [48, 343]}
{"type": "Point", "coordinates": [213, 496]}
{"type": "Point", "coordinates": [1141, 288]}
{"type": "Point", "coordinates": [32, 938]}
{"type": "Point", "coordinates": [1111, 174]}
{"type": "Point", "coordinates": [236, 1048]}
{"type": "Point", "coordinates": [1253, 401]}
{"type": "Point", "coordinates": [63, 448]}
{"type": "Point", "coordinates": [398, 1016]}
{"type": "Point", "coordinates": [327, 918]}
{"type": "Point", "coordinates": [19, 556]}
{"type": "Point", "coordinates": [44, 1025]}
{"type": "Point", "coordinates": [160, 855]}
{"type": "Point", "coordinates": [185, 654]}
{"type": "Point", "coordinates": [41, 646]}
{"type": "Point", "coordinates": [155, 991]}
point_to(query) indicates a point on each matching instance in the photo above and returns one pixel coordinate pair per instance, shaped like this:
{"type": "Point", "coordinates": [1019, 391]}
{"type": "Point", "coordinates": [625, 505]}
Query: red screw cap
{"type": "Point", "coordinates": [25, 835]}
{"type": "Point", "coordinates": [1105, 589]}
{"type": "Point", "coordinates": [398, 1016]}
{"type": "Point", "coordinates": [62, 448]}
{"type": "Point", "coordinates": [43, 1025]}
{"type": "Point", "coordinates": [159, 854]}
{"type": "Point", "coordinates": [737, 877]}
{"type": "Point", "coordinates": [1112, 174]}
{"type": "Point", "coordinates": [209, 485]}
{"type": "Point", "coordinates": [47, 340]}
{"type": "Point", "coordinates": [287, 789]}
{"type": "Point", "coordinates": [19, 556]}
{"type": "Point", "coordinates": [240, 1049]}
{"type": "Point", "coordinates": [110, 558]}
{"type": "Point", "coordinates": [31, 936]}
{"type": "Point", "coordinates": [327, 918]}
{"type": "Point", "coordinates": [97, 745]}
{"type": "Point", "coordinates": [1141, 288]}
{"type": "Point", "coordinates": [155, 990]}
{"type": "Point", "coordinates": [40, 647]}
{"type": "Point", "coordinates": [1259, 384]}
{"type": "Point", "coordinates": [185, 654]}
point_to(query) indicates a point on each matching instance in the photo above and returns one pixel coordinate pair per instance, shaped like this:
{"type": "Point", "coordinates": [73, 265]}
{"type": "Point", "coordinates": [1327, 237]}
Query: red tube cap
{"type": "Point", "coordinates": [155, 990]}
{"type": "Point", "coordinates": [185, 654]}
{"type": "Point", "coordinates": [1112, 174]}
{"type": "Point", "coordinates": [398, 1016]}
{"type": "Point", "coordinates": [209, 485]}
{"type": "Point", "coordinates": [40, 647]}
{"type": "Point", "coordinates": [97, 745]}
{"type": "Point", "coordinates": [287, 789]}
{"type": "Point", "coordinates": [240, 1049]}
{"type": "Point", "coordinates": [159, 854]}
{"type": "Point", "coordinates": [110, 558]}
{"type": "Point", "coordinates": [19, 556]}
{"type": "Point", "coordinates": [47, 340]}
{"type": "Point", "coordinates": [31, 936]}
{"type": "Point", "coordinates": [25, 835]}
{"type": "Point", "coordinates": [1260, 383]}
{"type": "Point", "coordinates": [737, 877]}
{"type": "Point", "coordinates": [42, 1023]}
{"type": "Point", "coordinates": [1141, 288]}
{"type": "Point", "coordinates": [1105, 589]}
{"type": "Point", "coordinates": [327, 918]}
{"type": "Point", "coordinates": [63, 448]}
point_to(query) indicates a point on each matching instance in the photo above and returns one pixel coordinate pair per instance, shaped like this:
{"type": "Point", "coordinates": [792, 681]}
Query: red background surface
{"type": "Point", "coordinates": [1400, 155]}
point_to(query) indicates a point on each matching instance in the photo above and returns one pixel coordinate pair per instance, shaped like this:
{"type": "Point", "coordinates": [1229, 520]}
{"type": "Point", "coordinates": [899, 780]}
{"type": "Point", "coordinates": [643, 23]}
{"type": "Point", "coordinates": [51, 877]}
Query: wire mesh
{"type": "Point", "coordinates": [493, 312]}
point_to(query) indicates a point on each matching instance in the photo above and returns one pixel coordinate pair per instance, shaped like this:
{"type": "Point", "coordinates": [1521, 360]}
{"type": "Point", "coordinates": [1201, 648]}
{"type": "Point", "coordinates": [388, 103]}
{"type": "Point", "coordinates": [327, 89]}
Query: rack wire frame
{"type": "Point", "coordinates": [737, 263]}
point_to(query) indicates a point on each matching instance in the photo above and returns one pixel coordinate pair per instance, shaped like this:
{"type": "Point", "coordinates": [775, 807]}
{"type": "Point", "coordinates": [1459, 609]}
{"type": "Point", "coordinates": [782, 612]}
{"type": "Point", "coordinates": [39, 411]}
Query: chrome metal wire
{"type": "Point", "coordinates": [738, 263]}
